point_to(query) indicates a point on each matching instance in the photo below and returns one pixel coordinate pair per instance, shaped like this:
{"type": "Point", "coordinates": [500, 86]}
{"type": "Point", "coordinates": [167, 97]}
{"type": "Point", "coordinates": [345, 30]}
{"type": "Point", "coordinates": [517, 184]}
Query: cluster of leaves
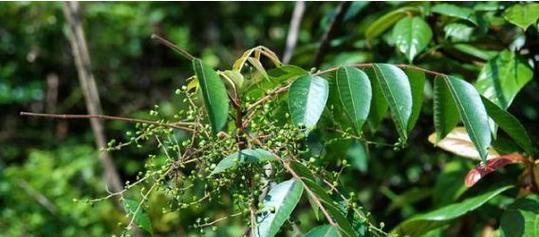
{"type": "Point", "coordinates": [262, 138]}
{"type": "Point", "coordinates": [361, 95]}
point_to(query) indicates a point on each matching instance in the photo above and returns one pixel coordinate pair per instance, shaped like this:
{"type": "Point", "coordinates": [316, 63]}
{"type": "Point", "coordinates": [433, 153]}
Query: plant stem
{"type": "Point", "coordinates": [169, 44]}
{"type": "Point", "coordinates": [177, 125]}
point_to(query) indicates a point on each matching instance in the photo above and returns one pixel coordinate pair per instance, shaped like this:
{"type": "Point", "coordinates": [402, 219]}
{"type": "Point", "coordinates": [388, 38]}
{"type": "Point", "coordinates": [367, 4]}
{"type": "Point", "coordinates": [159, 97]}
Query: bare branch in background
{"type": "Point", "coordinates": [330, 33]}
{"type": "Point", "coordinates": [293, 31]}
{"type": "Point", "coordinates": [89, 90]}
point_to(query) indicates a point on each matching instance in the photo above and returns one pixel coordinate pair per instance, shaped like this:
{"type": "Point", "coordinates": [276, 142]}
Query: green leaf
{"type": "Point", "coordinates": [140, 218]}
{"type": "Point", "coordinates": [445, 112]}
{"type": "Point", "coordinates": [458, 32]}
{"type": "Point", "coordinates": [521, 219]}
{"type": "Point", "coordinates": [412, 35]}
{"type": "Point", "coordinates": [306, 174]}
{"type": "Point", "coordinates": [278, 205]}
{"type": "Point", "coordinates": [307, 98]}
{"type": "Point", "coordinates": [214, 93]}
{"type": "Point", "coordinates": [397, 92]}
{"type": "Point", "coordinates": [420, 224]}
{"type": "Point", "coordinates": [386, 21]}
{"type": "Point", "coordinates": [357, 155]}
{"type": "Point", "coordinates": [354, 90]}
{"type": "Point", "coordinates": [323, 231]}
{"type": "Point", "coordinates": [522, 15]}
{"type": "Point", "coordinates": [455, 11]}
{"type": "Point", "coordinates": [286, 72]}
{"type": "Point", "coordinates": [502, 77]}
{"type": "Point", "coordinates": [417, 84]}
{"type": "Point", "coordinates": [510, 125]}
{"type": "Point", "coordinates": [243, 156]}
{"type": "Point", "coordinates": [472, 113]}
{"type": "Point", "coordinates": [379, 104]}
{"type": "Point", "coordinates": [344, 225]}
{"type": "Point", "coordinates": [474, 51]}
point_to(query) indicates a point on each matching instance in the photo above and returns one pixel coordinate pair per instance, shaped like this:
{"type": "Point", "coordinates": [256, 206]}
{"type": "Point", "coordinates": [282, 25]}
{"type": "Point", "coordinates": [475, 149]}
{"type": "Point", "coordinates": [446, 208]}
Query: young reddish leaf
{"type": "Point", "coordinates": [482, 170]}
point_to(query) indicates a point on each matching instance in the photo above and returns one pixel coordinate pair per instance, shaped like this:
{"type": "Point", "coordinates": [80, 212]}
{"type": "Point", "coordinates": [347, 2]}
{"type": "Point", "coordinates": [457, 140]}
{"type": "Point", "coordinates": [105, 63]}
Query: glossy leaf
{"type": "Point", "coordinates": [417, 84]}
{"type": "Point", "coordinates": [278, 205]}
{"type": "Point", "coordinates": [510, 125]}
{"type": "Point", "coordinates": [379, 104]}
{"type": "Point", "coordinates": [455, 11]}
{"type": "Point", "coordinates": [140, 218]}
{"type": "Point", "coordinates": [445, 111]}
{"type": "Point", "coordinates": [398, 94]}
{"type": "Point", "coordinates": [412, 35]}
{"type": "Point", "coordinates": [521, 219]}
{"type": "Point", "coordinates": [458, 32]}
{"type": "Point", "coordinates": [502, 77]}
{"type": "Point", "coordinates": [459, 143]}
{"type": "Point", "coordinates": [386, 21]}
{"type": "Point", "coordinates": [420, 224]}
{"type": "Point", "coordinates": [214, 93]}
{"type": "Point", "coordinates": [307, 98]}
{"type": "Point", "coordinates": [323, 231]}
{"type": "Point", "coordinates": [354, 90]}
{"type": "Point", "coordinates": [522, 15]}
{"type": "Point", "coordinates": [243, 156]}
{"type": "Point", "coordinates": [472, 113]}
{"type": "Point", "coordinates": [482, 170]}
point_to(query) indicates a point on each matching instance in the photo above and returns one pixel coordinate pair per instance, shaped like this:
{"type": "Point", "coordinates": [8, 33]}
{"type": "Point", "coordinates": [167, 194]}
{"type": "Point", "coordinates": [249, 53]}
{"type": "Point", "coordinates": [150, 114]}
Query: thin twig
{"type": "Point", "coordinates": [107, 117]}
{"type": "Point", "coordinates": [169, 44]}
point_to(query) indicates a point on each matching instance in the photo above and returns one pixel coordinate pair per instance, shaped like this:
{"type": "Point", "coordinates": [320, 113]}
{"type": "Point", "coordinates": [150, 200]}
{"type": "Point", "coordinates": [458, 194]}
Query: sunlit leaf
{"type": "Point", "coordinates": [307, 99]}
{"type": "Point", "coordinates": [502, 77]}
{"type": "Point", "coordinates": [458, 32]}
{"type": "Point", "coordinates": [420, 224]}
{"type": "Point", "coordinates": [455, 11]}
{"type": "Point", "coordinates": [215, 95]}
{"type": "Point", "coordinates": [472, 113]}
{"type": "Point", "coordinates": [386, 21]}
{"type": "Point", "coordinates": [522, 15]}
{"type": "Point", "coordinates": [278, 205]}
{"type": "Point", "coordinates": [398, 94]}
{"type": "Point", "coordinates": [412, 35]}
{"type": "Point", "coordinates": [243, 156]}
{"type": "Point", "coordinates": [354, 90]}
{"type": "Point", "coordinates": [459, 143]}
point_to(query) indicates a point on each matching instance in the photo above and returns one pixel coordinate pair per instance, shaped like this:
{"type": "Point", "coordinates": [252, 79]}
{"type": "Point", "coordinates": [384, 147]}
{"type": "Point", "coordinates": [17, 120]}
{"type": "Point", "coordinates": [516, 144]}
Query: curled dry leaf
{"type": "Point", "coordinates": [459, 143]}
{"type": "Point", "coordinates": [482, 170]}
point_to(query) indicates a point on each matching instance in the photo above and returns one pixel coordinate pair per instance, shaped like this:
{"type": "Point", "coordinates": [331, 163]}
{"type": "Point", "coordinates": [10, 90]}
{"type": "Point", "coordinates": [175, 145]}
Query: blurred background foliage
{"type": "Point", "coordinates": [47, 164]}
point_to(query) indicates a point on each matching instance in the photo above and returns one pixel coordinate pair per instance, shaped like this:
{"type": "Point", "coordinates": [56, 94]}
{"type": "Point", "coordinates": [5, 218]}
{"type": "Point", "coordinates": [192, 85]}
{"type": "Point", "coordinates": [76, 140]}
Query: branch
{"type": "Point", "coordinates": [177, 125]}
{"type": "Point", "coordinates": [169, 44]}
{"type": "Point", "coordinates": [293, 31]}
{"type": "Point", "coordinates": [330, 32]}
{"type": "Point", "coordinates": [88, 86]}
